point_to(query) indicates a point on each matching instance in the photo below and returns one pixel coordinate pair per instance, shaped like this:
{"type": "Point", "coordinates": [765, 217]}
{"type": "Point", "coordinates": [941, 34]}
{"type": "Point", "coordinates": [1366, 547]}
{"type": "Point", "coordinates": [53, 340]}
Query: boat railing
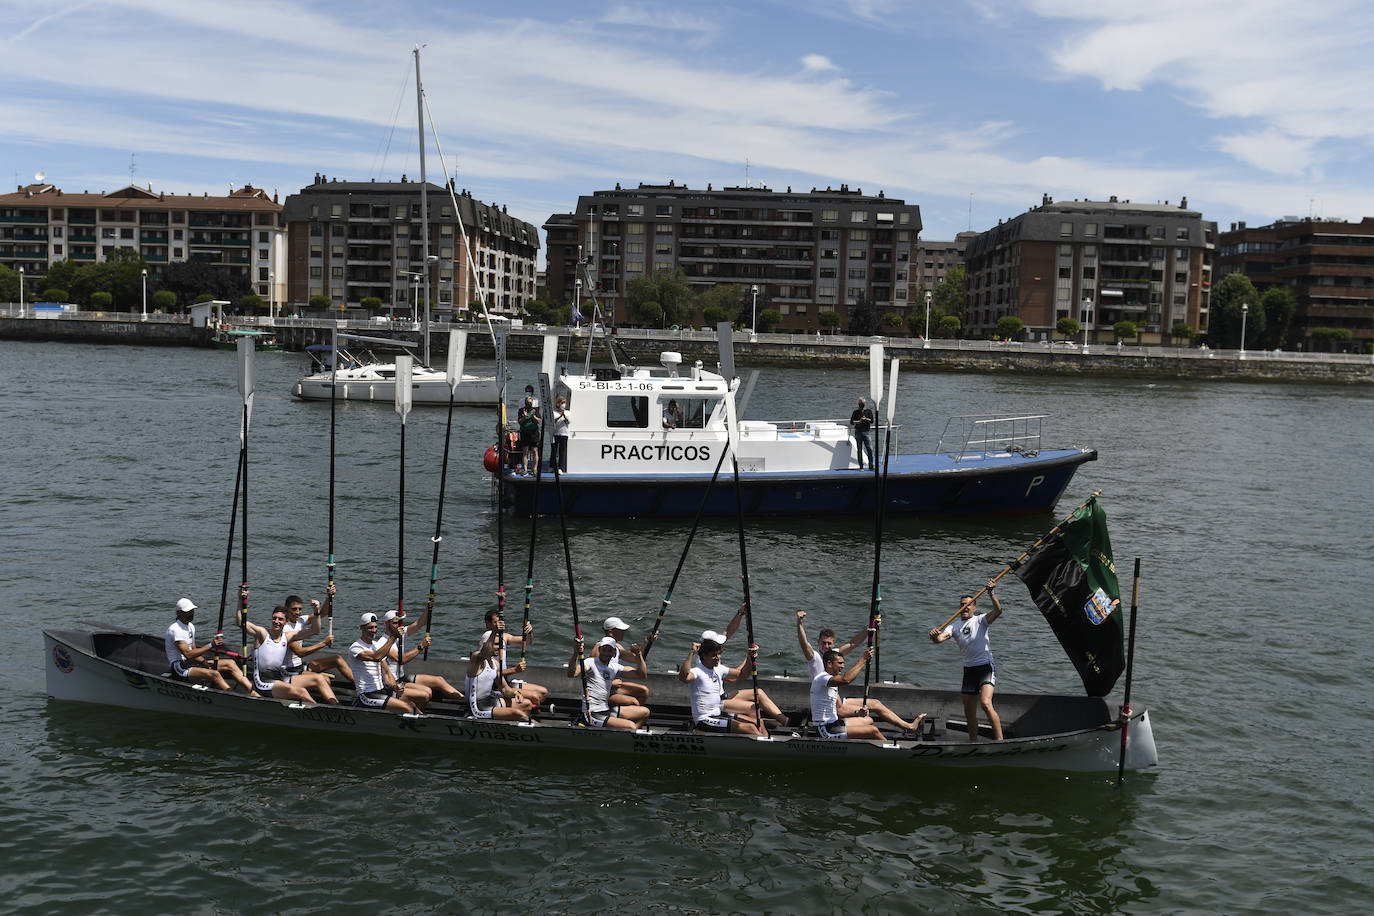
{"type": "Point", "coordinates": [979, 436]}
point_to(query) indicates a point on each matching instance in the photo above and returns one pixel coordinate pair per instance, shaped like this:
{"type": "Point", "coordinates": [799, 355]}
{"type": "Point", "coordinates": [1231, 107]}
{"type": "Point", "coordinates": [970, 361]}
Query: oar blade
{"type": "Point", "coordinates": [726, 335]}
{"type": "Point", "coordinates": [404, 394]}
{"type": "Point", "coordinates": [875, 376]}
{"type": "Point", "coordinates": [550, 359]}
{"type": "Point", "coordinates": [892, 392]}
{"type": "Point", "coordinates": [731, 425]}
{"type": "Point", "coordinates": [246, 383]}
{"type": "Point", "coordinates": [748, 391]}
{"type": "Point", "coordinates": [457, 351]}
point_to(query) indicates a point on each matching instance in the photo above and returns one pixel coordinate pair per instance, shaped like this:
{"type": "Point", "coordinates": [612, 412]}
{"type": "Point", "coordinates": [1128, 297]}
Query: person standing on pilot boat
{"type": "Point", "coordinates": [376, 686]}
{"type": "Point", "coordinates": [489, 697]}
{"type": "Point", "coordinates": [187, 663]}
{"type": "Point", "coordinates": [861, 421]}
{"type": "Point", "coordinates": [269, 663]}
{"type": "Point", "coordinates": [561, 430]}
{"type": "Point", "coordinates": [970, 631]}
{"type": "Point", "coordinates": [527, 420]}
{"type": "Point", "coordinates": [606, 707]}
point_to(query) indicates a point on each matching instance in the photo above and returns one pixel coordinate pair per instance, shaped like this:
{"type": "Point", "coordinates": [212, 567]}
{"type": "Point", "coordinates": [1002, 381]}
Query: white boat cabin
{"type": "Point", "coordinates": [657, 421]}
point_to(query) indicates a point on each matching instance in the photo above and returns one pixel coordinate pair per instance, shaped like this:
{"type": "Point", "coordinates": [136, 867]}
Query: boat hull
{"type": "Point", "coordinates": [472, 391]}
{"type": "Point", "coordinates": [79, 668]}
{"type": "Point", "coordinates": [916, 485]}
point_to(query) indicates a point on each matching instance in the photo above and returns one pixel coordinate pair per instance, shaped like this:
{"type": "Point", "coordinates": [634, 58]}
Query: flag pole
{"type": "Point", "coordinates": [1049, 534]}
{"type": "Point", "coordinates": [1130, 660]}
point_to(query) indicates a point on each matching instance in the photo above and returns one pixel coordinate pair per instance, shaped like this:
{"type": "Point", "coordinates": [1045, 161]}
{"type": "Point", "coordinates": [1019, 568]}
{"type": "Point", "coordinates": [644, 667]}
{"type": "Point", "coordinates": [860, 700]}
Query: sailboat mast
{"type": "Point", "coordinates": [424, 203]}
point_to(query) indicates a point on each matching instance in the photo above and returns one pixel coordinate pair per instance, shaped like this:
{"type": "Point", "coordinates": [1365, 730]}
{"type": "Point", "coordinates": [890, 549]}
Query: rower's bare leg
{"type": "Point", "coordinates": [236, 674]}
{"type": "Point", "coordinates": [638, 693]}
{"type": "Point", "coordinates": [971, 715]}
{"type": "Point", "coordinates": [208, 675]}
{"type": "Point", "coordinates": [440, 686]}
{"type": "Point", "coordinates": [333, 665]}
{"type": "Point", "coordinates": [879, 710]}
{"type": "Point", "coordinates": [318, 683]}
{"type": "Point", "coordinates": [985, 699]}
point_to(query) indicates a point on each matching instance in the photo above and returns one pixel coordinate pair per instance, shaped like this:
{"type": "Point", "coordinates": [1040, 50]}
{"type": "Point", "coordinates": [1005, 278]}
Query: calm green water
{"type": "Point", "coordinates": [1249, 505]}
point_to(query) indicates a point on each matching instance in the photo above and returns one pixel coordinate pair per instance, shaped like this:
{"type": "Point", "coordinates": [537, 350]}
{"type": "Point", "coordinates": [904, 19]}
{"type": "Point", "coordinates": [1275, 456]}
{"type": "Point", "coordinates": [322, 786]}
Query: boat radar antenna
{"type": "Point", "coordinates": [622, 363]}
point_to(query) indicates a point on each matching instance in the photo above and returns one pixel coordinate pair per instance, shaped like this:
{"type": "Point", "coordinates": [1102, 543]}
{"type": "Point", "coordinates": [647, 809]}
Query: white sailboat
{"type": "Point", "coordinates": [359, 377]}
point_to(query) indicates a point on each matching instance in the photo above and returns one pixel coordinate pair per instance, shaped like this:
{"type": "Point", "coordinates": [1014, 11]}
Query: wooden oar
{"type": "Point", "coordinates": [752, 655]}
{"type": "Point", "coordinates": [1130, 659]}
{"type": "Point", "coordinates": [404, 395]}
{"type": "Point", "coordinates": [229, 551]}
{"type": "Point", "coordinates": [682, 560]}
{"type": "Point", "coordinates": [875, 620]}
{"type": "Point", "coordinates": [499, 342]}
{"type": "Point", "coordinates": [1008, 568]}
{"type": "Point", "coordinates": [457, 346]}
{"type": "Point", "coordinates": [246, 386]}
{"type": "Point", "coordinates": [333, 382]}
{"type": "Point", "coordinates": [567, 558]}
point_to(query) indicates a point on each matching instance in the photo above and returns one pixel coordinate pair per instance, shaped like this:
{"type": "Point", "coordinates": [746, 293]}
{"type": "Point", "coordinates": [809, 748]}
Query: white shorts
{"type": "Point", "coordinates": [832, 731]}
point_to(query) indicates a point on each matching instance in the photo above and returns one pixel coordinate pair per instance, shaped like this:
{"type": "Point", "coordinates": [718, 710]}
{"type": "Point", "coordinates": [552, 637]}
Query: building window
{"type": "Point", "coordinates": [904, 219]}
{"type": "Point", "coordinates": [858, 254]}
{"type": "Point", "coordinates": [1065, 272]}
{"type": "Point", "coordinates": [663, 230]}
{"type": "Point", "coordinates": [858, 216]}
{"type": "Point", "coordinates": [829, 253]}
{"type": "Point", "coordinates": [634, 210]}
{"type": "Point", "coordinates": [1183, 232]}
{"type": "Point", "coordinates": [634, 247]}
{"type": "Point", "coordinates": [1090, 230]}
{"type": "Point", "coordinates": [1066, 229]}
{"type": "Point", "coordinates": [1066, 251]}
{"type": "Point", "coordinates": [858, 235]}
{"type": "Point", "coordinates": [57, 250]}
{"type": "Point", "coordinates": [336, 211]}
{"type": "Point", "coordinates": [446, 253]}
{"type": "Point", "coordinates": [316, 272]}
{"type": "Point", "coordinates": [663, 210]}
{"type": "Point", "coordinates": [634, 267]}
{"type": "Point", "coordinates": [262, 254]}
{"type": "Point", "coordinates": [176, 252]}
{"type": "Point", "coordinates": [634, 228]}
{"type": "Point", "coordinates": [663, 248]}
{"type": "Point", "coordinates": [829, 216]}
{"type": "Point", "coordinates": [336, 251]}
{"type": "Point", "coordinates": [1089, 273]}
{"type": "Point", "coordinates": [336, 272]}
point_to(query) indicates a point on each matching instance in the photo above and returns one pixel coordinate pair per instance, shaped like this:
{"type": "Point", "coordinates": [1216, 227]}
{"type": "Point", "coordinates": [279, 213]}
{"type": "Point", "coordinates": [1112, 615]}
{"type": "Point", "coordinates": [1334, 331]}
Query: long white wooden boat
{"type": "Point", "coordinates": [117, 667]}
{"type": "Point", "coordinates": [623, 462]}
{"type": "Point", "coordinates": [363, 379]}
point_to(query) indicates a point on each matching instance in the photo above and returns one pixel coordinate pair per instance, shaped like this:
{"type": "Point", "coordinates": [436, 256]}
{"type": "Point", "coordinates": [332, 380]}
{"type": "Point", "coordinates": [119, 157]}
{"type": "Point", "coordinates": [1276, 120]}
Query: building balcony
{"type": "Point", "coordinates": [83, 255]}
{"type": "Point", "coordinates": [23, 219]}
{"type": "Point", "coordinates": [81, 220]}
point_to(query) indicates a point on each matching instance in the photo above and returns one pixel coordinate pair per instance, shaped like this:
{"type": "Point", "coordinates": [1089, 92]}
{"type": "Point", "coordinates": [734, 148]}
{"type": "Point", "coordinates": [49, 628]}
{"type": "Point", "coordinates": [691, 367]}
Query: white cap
{"type": "Point", "coordinates": [615, 623]}
{"type": "Point", "coordinates": [184, 606]}
{"type": "Point", "coordinates": [393, 614]}
{"type": "Point", "coordinates": [713, 636]}
{"type": "Point", "coordinates": [367, 618]}
{"type": "Point", "coordinates": [606, 641]}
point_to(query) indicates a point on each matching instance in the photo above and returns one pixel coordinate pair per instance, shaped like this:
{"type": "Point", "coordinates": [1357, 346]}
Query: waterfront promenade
{"type": "Point", "coordinates": [643, 346]}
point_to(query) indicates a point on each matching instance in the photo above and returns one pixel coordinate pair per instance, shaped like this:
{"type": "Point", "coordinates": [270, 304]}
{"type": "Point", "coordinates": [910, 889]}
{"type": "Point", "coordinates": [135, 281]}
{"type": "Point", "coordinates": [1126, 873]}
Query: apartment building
{"type": "Point", "coordinates": [1329, 264]}
{"type": "Point", "coordinates": [241, 232]}
{"type": "Point", "coordinates": [934, 259]}
{"type": "Point", "coordinates": [1097, 261]}
{"type": "Point", "coordinates": [351, 240]}
{"type": "Point", "coordinates": [807, 252]}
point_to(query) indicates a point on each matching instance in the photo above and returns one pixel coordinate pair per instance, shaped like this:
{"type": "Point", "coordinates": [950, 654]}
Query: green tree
{"type": "Point", "coordinates": [9, 285]}
{"type": "Point", "coordinates": [769, 319]}
{"type": "Point", "coordinates": [1329, 340]}
{"type": "Point", "coordinates": [371, 304]}
{"type": "Point", "coordinates": [320, 303]}
{"type": "Point", "coordinates": [1010, 327]}
{"type": "Point", "coordinates": [190, 279]}
{"type": "Point", "coordinates": [722, 297]}
{"type": "Point", "coordinates": [1068, 328]}
{"type": "Point", "coordinates": [1125, 330]}
{"type": "Point", "coordinates": [891, 321]}
{"type": "Point", "coordinates": [715, 314]}
{"type": "Point", "coordinates": [61, 274]}
{"type": "Point", "coordinates": [668, 290]}
{"type": "Point", "coordinates": [53, 294]}
{"type": "Point", "coordinates": [164, 300]}
{"type": "Point", "coordinates": [1279, 304]}
{"type": "Point", "coordinates": [101, 301]}
{"type": "Point", "coordinates": [829, 320]}
{"type": "Point", "coordinates": [250, 303]}
{"type": "Point", "coordinates": [863, 318]}
{"type": "Point", "coordinates": [1224, 313]}
{"type": "Point", "coordinates": [949, 326]}
{"type": "Point", "coordinates": [203, 297]}
{"type": "Point", "coordinates": [1182, 330]}
{"type": "Point", "coordinates": [948, 297]}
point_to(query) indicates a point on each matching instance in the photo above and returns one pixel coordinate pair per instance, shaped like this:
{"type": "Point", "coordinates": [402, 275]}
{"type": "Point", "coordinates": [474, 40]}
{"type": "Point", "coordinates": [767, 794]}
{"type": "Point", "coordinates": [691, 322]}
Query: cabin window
{"type": "Point", "coordinates": [625, 412]}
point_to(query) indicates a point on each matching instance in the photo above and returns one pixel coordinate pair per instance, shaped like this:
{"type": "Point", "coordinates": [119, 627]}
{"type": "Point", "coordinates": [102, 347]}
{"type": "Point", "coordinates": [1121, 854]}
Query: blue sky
{"type": "Point", "coordinates": [971, 109]}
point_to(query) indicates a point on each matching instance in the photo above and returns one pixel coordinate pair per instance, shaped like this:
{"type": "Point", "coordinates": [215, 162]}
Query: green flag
{"type": "Point", "coordinates": [1072, 579]}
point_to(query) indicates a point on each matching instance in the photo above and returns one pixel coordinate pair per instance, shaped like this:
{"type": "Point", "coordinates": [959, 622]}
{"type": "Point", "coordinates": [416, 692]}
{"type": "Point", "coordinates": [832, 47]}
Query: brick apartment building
{"type": "Point", "coordinates": [807, 252]}
{"type": "Point", "coordinates": [1329, 264]}
{"type": "Point", "coordinates": [351, 240]}
{"type": "Point", "coordinates": [1097, 261]}
{"type": "Point", "coordinates": [935, 258]}
{"type": "Point", "coordinates": [241, 232]}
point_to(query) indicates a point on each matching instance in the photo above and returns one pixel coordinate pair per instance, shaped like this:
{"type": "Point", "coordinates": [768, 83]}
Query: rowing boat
{"type": "Point", "coordinates": [113, 666]}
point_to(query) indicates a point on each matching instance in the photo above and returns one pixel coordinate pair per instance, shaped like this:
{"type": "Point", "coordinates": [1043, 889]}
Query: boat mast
{"type": "Point", "coordinates": [424, 202]}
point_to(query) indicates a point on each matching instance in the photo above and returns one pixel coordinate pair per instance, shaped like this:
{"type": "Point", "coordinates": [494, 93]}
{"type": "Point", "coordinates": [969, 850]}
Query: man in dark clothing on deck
{"type": "Point", "coordinates": [862, 421]}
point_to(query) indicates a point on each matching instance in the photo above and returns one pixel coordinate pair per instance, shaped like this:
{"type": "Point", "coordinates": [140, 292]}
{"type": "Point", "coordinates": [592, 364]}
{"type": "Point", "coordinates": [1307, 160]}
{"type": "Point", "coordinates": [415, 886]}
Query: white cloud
{"type": "Point", "coordinates": [641, 17]}
{"type": "Point", "coordinates": [1270, 150]}
{"type": "Point", "coordinates": [817, 63]}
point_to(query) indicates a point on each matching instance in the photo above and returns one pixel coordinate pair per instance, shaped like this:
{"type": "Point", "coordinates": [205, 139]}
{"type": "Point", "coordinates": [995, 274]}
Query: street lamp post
{"type": "Point", "coordinates": [1244, 313]}
{"type": "Point", "coordinates": [754, 319]}
{"type": "Point", "coordinates": [272, 296]}
{"type": "Point", "coordinates": [925, 342]}
{"type": "Point", "coordinates": [145, 294]}
{"type": "Point", "coordinates": [1087, 319]}
{"type": "Point", "coordinates": [21, 290]}
{"type": "Point", "coordinates": [414, 297]}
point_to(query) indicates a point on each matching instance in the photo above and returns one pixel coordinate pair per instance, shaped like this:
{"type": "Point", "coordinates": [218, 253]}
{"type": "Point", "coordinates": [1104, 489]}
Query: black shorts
{"type": "Point", "coordinates": [375, 699]}
{"type": "Point", "coordinates": [719, 725]}
{"type": "Point", "coordinates": [976, 677]}
{"type": "Point", "coordinates": [832, 731]}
